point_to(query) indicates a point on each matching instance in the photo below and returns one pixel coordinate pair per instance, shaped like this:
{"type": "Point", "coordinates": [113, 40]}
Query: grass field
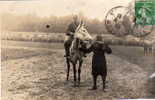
{"type": "Point", "coordinates": [37, 71]}
{"type": "Point", "coordinates": [60, 37]}
{"type": "Point", "coordinates": [33, 36]}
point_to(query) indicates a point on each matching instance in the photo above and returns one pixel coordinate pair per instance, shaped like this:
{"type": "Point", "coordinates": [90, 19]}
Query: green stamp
{"type": "Point", "coordinates": [145, 12]}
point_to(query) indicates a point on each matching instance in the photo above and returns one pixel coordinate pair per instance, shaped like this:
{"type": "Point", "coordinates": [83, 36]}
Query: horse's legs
{"type": "Point", "coordinates": [68, 68]}
{"type": "Point", "coordinates": [145, 50]}
{"type": "Point", "coordinates": [79, 72]}
{"type": "Point", "coordinates": [74, 71]}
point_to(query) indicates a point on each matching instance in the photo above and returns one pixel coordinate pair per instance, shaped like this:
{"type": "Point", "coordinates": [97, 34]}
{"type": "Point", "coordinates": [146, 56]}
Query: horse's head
{"type": "Point", "coordinates": [81, 39]}
{"type": "Point", "coordinates": [82, 33]}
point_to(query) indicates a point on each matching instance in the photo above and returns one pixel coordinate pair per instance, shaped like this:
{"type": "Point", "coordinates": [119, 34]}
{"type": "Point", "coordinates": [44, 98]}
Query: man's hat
{"type": "Point", "coordinates": [99, 38]}
{"type": "Point", "coordinates": [76, 19]}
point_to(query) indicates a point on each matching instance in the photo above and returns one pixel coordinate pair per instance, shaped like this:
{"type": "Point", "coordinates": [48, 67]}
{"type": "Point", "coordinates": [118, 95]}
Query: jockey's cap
{"type": "Point", "coordinates": [76, 19]}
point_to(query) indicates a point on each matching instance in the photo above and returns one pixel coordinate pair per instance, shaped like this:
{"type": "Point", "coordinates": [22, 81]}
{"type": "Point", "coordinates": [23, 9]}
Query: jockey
{"type": "Point", "coordinates": [72, 26]}
{"type": "Point", "coordinates": [70, 34]}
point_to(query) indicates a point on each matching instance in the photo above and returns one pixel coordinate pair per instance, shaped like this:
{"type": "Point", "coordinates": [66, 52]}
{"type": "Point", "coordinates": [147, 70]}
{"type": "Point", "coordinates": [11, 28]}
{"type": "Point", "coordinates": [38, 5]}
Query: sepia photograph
{"type": "Point", "coordinates": [77, 49]}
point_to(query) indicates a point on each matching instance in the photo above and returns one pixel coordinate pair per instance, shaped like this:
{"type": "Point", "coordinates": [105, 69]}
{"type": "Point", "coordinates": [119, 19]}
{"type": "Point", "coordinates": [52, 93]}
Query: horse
{"type": "Point", "coordinates": [81, 36]}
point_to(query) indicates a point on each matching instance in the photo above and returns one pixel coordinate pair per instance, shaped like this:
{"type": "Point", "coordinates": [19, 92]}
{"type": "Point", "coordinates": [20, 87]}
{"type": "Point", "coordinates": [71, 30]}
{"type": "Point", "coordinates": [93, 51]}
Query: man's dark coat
{"type": "Point", "coordinates": [99, 66]}
{"type": "Point", "coordinates": [72, 27]}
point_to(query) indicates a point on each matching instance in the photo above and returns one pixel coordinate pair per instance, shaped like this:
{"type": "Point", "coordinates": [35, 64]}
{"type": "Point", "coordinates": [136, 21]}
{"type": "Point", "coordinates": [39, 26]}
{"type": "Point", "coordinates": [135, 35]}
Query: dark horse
{"type": "Point", "coordinates": [76, 56]}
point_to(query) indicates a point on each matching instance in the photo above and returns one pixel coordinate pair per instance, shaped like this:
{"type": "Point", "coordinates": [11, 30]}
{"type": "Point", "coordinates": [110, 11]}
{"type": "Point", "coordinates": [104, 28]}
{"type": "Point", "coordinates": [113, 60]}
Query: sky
{"type": "Point", "coordinates": [90, 8]}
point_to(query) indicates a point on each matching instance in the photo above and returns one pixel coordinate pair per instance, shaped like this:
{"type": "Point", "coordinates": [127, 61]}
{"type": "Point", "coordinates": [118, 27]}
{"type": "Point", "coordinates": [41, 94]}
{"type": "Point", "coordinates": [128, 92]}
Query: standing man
{"type": "Point", "coordinates": [70, 35]}
{"type": "Point", "coordinates": [99, 66]}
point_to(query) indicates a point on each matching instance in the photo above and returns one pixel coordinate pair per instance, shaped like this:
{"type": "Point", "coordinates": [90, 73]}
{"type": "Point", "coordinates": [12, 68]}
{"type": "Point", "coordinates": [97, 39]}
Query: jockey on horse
{"type": "Point", "coordinates": [70, 35]}
{"type": "Point", "coordinates": [77, 37]}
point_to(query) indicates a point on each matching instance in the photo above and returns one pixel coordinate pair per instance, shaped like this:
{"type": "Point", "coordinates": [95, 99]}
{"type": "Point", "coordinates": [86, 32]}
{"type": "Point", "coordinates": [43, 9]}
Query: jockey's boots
{"type": "Point", "coordinates": [67, 56]}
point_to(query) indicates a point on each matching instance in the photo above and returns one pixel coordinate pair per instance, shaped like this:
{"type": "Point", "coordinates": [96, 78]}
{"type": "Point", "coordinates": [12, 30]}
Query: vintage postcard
{"type": "Point", "coordinates": [77, 49]}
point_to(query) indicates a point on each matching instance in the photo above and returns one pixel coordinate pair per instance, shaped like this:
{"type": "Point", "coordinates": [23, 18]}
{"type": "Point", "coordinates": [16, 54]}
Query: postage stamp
{"type": "Point", "coordinates": [145, 12]}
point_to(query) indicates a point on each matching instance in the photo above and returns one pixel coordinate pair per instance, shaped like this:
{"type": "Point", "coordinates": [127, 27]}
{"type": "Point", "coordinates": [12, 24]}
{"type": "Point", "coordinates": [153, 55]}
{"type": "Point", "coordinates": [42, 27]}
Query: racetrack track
{"type": "Point", "coordinates": [37, 71]}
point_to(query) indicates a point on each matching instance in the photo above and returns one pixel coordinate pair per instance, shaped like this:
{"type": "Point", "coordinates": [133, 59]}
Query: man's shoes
{"type": "Point", "coordinates": [93, 88]}
{"type": "Point", "coordinates": [105, 90]}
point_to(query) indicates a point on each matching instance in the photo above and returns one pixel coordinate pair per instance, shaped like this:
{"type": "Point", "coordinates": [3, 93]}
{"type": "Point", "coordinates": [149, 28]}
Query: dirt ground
{"type": "Point", "coordinates": [37, 71]}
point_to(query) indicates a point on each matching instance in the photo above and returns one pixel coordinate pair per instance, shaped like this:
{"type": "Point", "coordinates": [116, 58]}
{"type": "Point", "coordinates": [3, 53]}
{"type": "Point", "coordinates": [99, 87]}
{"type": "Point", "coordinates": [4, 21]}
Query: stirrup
{"type": "Point", "coordinates": [85, 56]}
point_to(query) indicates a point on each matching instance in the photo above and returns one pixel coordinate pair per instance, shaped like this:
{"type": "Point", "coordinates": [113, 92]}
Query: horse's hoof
{"type": "Point", "coordinates": [78, 84]}
{"type": "Point", "coordinates": [74, 85]}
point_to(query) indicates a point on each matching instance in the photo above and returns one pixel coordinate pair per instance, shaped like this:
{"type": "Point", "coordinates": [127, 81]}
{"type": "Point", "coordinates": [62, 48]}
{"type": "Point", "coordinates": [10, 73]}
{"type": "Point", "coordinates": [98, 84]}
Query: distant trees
{"type": "Point", "coordinates": [34, 23]}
